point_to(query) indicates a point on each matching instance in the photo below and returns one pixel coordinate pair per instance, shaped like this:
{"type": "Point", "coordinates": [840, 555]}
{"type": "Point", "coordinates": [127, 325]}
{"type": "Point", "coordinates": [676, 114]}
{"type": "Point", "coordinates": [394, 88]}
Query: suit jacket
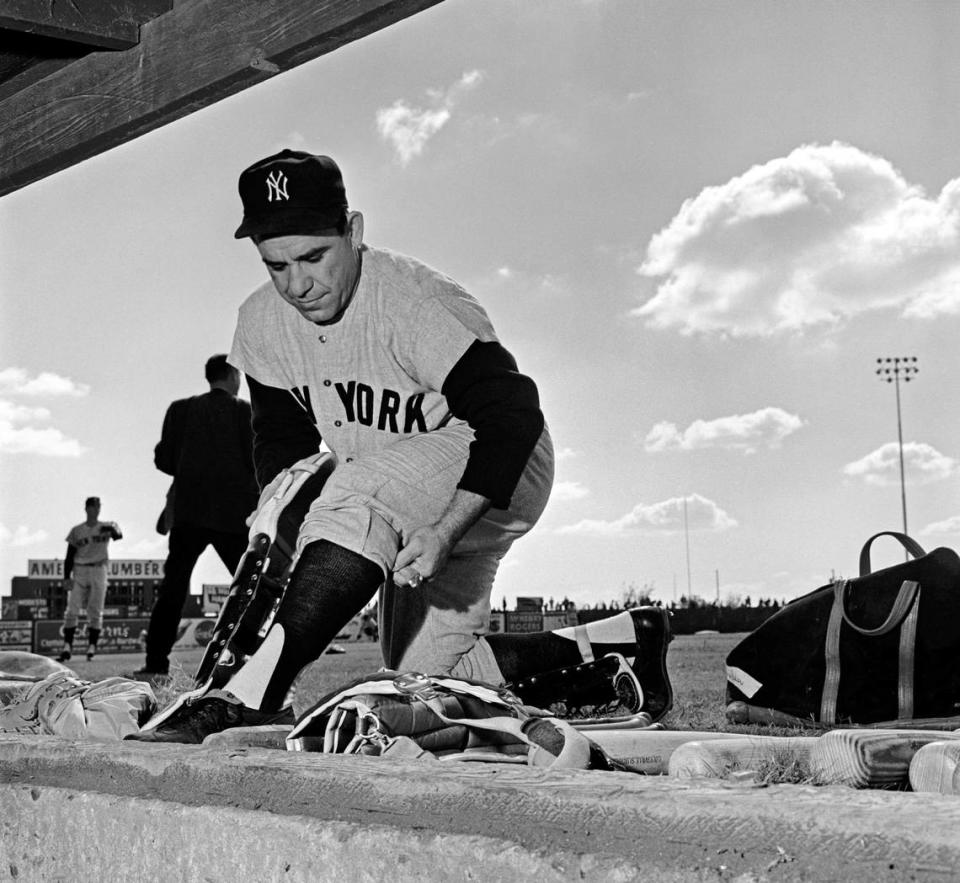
{"type": "Point", "coordinates": [207, 446]}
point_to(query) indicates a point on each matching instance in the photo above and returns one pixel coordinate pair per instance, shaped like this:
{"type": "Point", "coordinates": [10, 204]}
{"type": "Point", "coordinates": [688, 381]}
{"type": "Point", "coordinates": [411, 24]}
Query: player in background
{"type": "Point", "coordinates": [443, 456]}
{"type": "Point", "coordinates": [207, 446]}
{"type": "Point", "coordinates": [85, 576]}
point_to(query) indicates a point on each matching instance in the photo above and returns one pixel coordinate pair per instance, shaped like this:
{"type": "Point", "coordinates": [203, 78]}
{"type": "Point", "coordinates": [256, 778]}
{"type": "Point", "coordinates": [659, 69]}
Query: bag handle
{"type": "Point", "coordinates": [901, 607]}
{"type": "Point", "coordinates": [908, 543]}
{"type": "Point", "coordinates": [906, 607]}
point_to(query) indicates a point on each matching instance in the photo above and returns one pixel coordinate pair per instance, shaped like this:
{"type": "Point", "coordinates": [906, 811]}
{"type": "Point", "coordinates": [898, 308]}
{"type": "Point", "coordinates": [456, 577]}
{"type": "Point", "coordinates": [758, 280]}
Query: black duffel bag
{"type": "Point", "coordinates": [881, 648]}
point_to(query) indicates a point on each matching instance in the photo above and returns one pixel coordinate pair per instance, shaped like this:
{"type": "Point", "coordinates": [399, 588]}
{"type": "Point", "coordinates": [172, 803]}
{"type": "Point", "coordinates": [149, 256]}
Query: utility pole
{"type": "Point", "coordinates": [893, 370]}
{"type": "Point", "coordinates": [686, 535]}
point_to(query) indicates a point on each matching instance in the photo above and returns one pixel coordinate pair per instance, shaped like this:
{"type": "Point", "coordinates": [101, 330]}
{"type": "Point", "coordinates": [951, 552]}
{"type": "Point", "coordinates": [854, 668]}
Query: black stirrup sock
{"type": "Point", "coordinates": [328, 587]}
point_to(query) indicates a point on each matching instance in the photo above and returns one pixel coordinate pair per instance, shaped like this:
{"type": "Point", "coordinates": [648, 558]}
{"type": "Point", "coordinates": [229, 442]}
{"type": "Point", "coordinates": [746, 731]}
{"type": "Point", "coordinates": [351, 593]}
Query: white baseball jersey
{"type": "Point", "coordinates": [374, 376]}
{"type": "Point", "coordinates": [91, 541]}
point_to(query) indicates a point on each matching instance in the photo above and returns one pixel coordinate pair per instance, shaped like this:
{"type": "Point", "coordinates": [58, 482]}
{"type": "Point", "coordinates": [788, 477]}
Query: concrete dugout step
{"type": "Point", "coordinates": [86, 810]}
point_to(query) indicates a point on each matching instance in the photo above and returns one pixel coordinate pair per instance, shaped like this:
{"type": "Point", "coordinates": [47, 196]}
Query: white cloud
{"type": "Point", "coordinates": [667, 516]}
{"type": "Point", "coordinates": [922, 464]}
{"type": "Point", "coordinates": [47, 442]}
{"type": "Point", "coordinates": [18, 438]}
{"type": "Point", "coordinates": [949, 526]}
{"type": "Point", "coordinates": [568, 490]}
{"type": "Point", "coordinates": [16, 381]}
{"type": "Point", "coordinates": [820, 235]}
{"type": "Point", "coordinates": [13, 413]}
{"type": "Point", "coordinates": [21, 536]}
{"type": "Point", "coordinates": [409, 128]}
{"type": "Point", "coordinates": [765, 428]}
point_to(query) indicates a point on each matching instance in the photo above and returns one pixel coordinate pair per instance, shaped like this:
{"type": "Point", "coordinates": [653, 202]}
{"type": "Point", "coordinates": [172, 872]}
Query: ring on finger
{"type": "Point", "coordinates": [416, 580]}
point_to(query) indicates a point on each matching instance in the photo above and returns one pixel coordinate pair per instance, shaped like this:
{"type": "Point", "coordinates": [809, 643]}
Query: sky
{"type": "Point", "coordinates": [696, 225]}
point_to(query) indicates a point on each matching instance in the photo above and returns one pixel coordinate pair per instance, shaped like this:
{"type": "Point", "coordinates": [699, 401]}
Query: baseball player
{"type": "Point", "coordinates": [85, 576]}
{"type": "Point", "coordinates": [443, 457]}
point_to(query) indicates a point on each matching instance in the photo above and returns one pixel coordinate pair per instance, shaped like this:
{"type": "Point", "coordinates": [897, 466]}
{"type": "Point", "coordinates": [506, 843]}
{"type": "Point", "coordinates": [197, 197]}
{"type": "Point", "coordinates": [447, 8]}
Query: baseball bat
{"type": "Point", "coordinates": [744, 713]}
{"type": "Point", "coordinates": [869, 758]}
{"type": "Point", "coordinates": [721, 758]}
{"type": "Point", "coordinates": [936, 767]}
{"type": "Point", "coordinates": [649, 751]}
{"type": "Point", "coordinates": [263, 736]}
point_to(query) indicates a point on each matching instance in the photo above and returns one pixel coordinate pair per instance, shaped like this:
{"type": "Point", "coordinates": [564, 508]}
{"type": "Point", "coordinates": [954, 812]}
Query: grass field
{"type": "Point", "coordinates": [695, 664]}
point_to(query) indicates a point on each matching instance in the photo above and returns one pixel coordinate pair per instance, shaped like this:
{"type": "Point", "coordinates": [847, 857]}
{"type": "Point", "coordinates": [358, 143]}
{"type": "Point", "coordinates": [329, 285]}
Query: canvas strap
{"type": "Point", "coordinates": [904, 613]}
{"type": "Point", "coordinates": [583, 642]}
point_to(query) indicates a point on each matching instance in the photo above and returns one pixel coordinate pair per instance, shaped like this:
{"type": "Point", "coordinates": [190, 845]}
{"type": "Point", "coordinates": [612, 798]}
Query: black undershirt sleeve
{"type": "Point", "coordinates": [502, 406]}
{"type": "Point", "coordinates": [283, 432]}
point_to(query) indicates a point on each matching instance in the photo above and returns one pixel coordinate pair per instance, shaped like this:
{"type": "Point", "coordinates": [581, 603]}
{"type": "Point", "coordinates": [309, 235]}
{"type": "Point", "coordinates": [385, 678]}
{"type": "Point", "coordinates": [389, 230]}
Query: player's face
{"type": "Point", "coordinates": [316, 274]}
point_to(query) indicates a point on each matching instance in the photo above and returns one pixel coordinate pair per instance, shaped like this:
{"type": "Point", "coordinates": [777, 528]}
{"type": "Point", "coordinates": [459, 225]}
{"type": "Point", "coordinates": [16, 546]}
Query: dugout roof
{"type": "Point", "coordinates": [78, 77]}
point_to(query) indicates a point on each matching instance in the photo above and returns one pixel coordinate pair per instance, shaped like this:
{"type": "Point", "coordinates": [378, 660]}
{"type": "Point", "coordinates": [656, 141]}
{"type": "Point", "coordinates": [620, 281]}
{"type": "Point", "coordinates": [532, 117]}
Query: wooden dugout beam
{"type": "Point", "coordinates": [194, 55]}
{"type": "Point", "coordinates": [105, 24]}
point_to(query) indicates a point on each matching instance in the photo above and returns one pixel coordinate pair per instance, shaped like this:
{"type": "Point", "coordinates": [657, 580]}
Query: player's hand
{"type": "Point", "coordinates": [422, 556]}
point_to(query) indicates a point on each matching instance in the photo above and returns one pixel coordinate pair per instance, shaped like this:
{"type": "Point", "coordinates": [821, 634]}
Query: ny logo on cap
{"type": "Point", "coordinates": [276, 186]}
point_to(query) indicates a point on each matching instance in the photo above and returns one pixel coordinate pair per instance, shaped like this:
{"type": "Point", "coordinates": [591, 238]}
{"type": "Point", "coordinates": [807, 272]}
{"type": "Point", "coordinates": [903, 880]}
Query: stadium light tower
{"type": "Point", "coordinates": [893, 370]}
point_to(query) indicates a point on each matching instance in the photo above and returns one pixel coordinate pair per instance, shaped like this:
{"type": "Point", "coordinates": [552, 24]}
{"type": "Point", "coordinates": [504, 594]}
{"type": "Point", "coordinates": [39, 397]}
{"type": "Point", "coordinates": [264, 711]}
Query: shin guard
{"type": "Point", "coordinates": [263, 572]}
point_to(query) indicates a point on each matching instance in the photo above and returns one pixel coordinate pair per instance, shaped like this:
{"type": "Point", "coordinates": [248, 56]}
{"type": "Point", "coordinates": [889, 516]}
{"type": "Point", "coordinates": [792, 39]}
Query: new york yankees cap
{"type": "Point", "coordinates": [291, 193]}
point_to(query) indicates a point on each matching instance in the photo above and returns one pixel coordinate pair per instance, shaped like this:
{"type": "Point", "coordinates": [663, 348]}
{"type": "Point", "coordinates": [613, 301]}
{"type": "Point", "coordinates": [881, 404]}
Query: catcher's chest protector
{"type": "Point", "coordinates": [411, 714]}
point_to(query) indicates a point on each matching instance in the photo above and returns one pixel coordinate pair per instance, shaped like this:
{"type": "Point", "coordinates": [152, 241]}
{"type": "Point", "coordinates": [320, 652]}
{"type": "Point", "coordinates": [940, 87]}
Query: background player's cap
{"type": "Point", "coordinates": [92, 501]}
{"type": "Point", "coordinates": [291, 193]}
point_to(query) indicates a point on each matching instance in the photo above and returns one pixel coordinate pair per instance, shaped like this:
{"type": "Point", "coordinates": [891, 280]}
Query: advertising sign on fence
{"type": "Point", "coordinates": [119, 568]}
{"type": "Point", "coordinates": [529, 604]}
{"type": "Point", "coordinates": [16, 635]}
{"type": "Point", "coordinates": [117, 636]}
{"type": "Point", "coordinates": [524, 622]}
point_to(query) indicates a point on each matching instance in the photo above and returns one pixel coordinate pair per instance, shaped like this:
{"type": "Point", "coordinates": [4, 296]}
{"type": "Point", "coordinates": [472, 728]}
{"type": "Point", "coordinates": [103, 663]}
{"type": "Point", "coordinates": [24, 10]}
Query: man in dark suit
{"type": "Point", "coordinates": [207, 446]}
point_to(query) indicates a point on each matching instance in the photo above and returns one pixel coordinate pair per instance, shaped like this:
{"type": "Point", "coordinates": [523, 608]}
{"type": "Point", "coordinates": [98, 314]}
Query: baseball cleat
{"type": "Point", "coordinates": [214, 712]}
{"type": "Point", "coordinates": [91, 652]}
{"type": "Point", "coordinates": [65, 655]}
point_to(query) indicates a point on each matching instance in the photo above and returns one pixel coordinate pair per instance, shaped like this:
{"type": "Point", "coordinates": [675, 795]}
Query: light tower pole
{"type": "Point", "coordinates": [893, 370]}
